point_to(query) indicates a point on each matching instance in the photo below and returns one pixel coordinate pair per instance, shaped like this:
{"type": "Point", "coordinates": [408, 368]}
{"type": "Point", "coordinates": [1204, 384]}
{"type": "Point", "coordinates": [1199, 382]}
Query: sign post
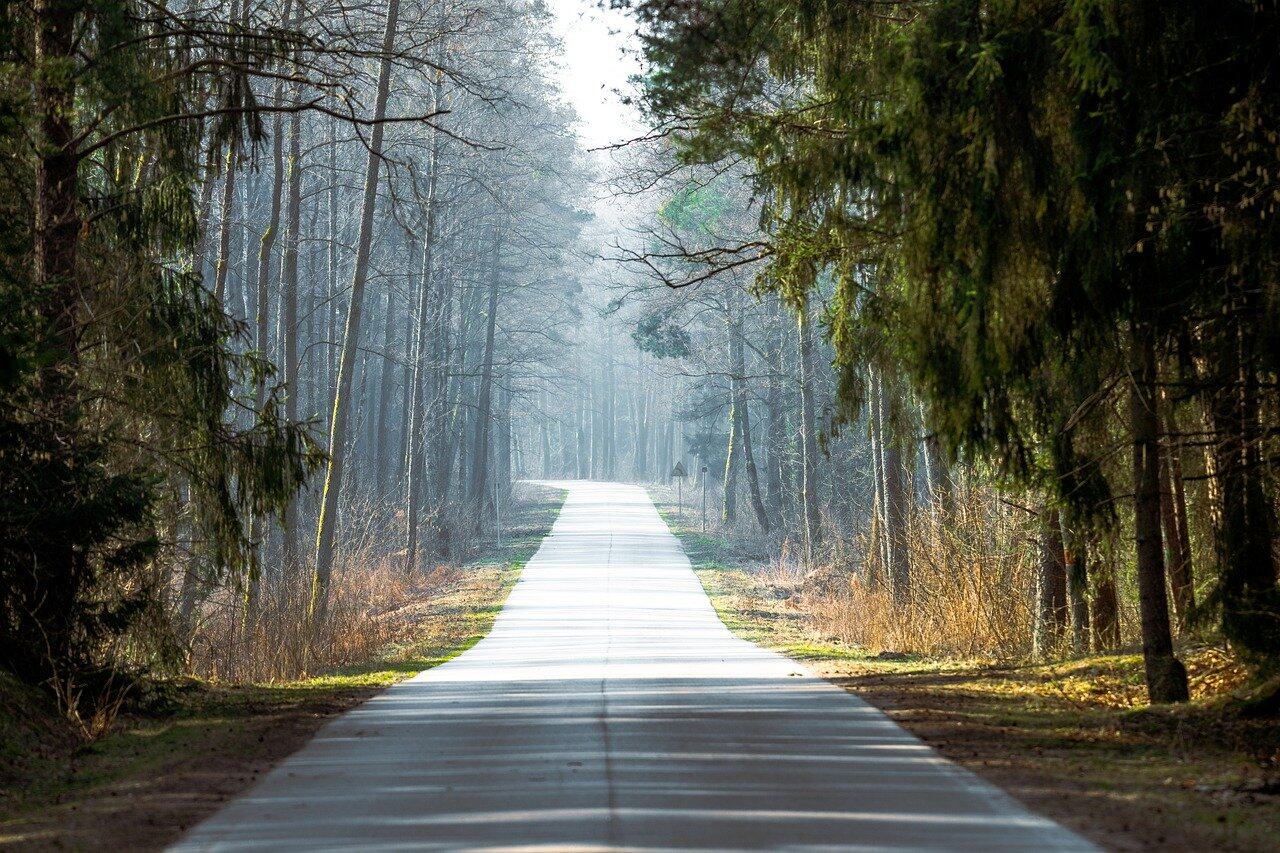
{"type": "Point", "coordinates": [678, 474]}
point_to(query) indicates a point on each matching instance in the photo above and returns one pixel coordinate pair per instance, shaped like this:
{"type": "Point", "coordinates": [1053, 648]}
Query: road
{"type": "Point", "coordinates": [610, 709]}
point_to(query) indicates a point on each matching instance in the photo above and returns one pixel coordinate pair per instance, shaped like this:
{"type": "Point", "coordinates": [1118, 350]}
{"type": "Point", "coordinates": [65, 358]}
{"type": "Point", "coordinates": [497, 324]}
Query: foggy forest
{"type": "Point", "coordinates": [943, 337]}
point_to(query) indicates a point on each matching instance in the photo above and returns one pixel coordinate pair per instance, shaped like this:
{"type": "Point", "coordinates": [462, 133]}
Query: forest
{"type": "Point", "coordinates": [962, 316]}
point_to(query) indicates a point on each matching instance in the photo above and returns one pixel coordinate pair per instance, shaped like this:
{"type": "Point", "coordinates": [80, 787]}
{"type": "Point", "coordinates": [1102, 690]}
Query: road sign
{"type": "Point", "coordinates": [679, 471]}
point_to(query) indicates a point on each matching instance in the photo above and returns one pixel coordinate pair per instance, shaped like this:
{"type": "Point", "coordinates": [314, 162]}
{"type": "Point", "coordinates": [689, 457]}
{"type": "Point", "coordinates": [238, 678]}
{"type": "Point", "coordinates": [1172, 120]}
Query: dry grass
{"type": "Point", "coordinates": [969, 595]}
{"type": "Point", "coordinates": [277, 645]}
{"type": "Point", "coordinates": [971, 587]}
{"type": "Point", "coordinates": [372, 604]}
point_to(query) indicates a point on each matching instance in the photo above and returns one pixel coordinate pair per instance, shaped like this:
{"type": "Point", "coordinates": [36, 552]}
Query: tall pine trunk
{"type": "Point", "coordinates": [895, 500]}
{"type": "Point", "coordinates": [262, 322]}
{"type": "Point", "coordinates": [386, 385]}
{"type": "Point", "coordinates": [1166, 677]}
{"type": "Point", "coordinates": [484, 401]}
{"type": "Point", "coordinates": [1173, 514]}
{"type": "Point", "coordinates": [326, 525]}
{"type": "Point", "coordinates": [425, 349]}
{"type": "Point", "coordinates": [640, 456]}
{"type": "Point", "coordinates": [292, 374]}
{"type": "Point", "coordinates": [741, 409]}
{"type": "Point", "coordinates": [808, 437]}
{"type": "Point", "coordinates": [775, 439]}
{"type": "Point", "coordinates": [1246, 511]}
{"type": "Point", "coordinates": [1076, 558]}
{"type": "Point", "coordinates": [733, 453]}
{"type": "Point", "coordinates": [1051, 588]}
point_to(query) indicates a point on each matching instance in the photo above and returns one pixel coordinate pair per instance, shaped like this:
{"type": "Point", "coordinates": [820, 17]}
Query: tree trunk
{"type": "Point", "coordinates": [1051, 588]}
{"type": "Point", "coordinates": [413, 345]}
{"type": "Point", "coordinates": [425, 348]}
{"type": "Point", "coordinates": [503, 448]}
{"type": "Point", "coordinates": [808, 438]}
{"type": "Point", "coordinates": [443, 412]}
{"type": "Point", "coordinates": [382, 429]}
{"type": "Point", "coordinates": [484, 403]}
{"type": "Point", "coordinates": [875, 435]}
{"type": "Point", "coordinates": [1245, 510]}
{"type": "Point", "coordinates": [896, 501]}
{"type": "Point", "coordinates": [609, 415]}
{"type": "Point", "coordinates": [326, 525]}
{"type": "Point", "coordinates": [223, 259]}
{"type": "Point", "coordinates": [1076, 557]}
{"type": "Point", "coordinates": [729, 503]}
{"type": "Point", "coordinates": [1173, 516]}
{"type": "Point", "coordinates": [937, 471]}
{"type": "Point", "coordinates": [546, 441]}
{"type": "Point", "coordinates": [331, 260]}
{"type": "Point", "coordinates": [593, 424]}
{"type": "Point", "coordinates": [741, 410]}
{"type": "Point", "coordinates": [568, 451]}
{"type": "Point", "coordinates": [204, 206]}
{"type": "Point", "coordinates": [57, 219]}
{"type": "Point", "coordinates": [641, 456]}
{"type": "Point", "coordinates": [262, 324]}
{"type": "Point", "coordinates": [584, 447]}
{"type": "Point", "coordinates": [753, 475]}
{"type": "Point", "coordinates": [289, 314]}
{"type": "Point", "coordinates": [1104, 607]}
{"type": "Point", "coordinates": [774, 435]}
{"type": "Point", "coordinates": [1166, 677]}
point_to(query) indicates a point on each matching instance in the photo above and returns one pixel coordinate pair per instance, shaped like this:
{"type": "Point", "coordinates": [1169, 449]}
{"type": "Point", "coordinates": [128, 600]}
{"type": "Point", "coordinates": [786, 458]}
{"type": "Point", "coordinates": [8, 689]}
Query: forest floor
{"type": "Point", "coordinates": [167, 764]}
{"type": "Point", "coordinates": [1072, 740]}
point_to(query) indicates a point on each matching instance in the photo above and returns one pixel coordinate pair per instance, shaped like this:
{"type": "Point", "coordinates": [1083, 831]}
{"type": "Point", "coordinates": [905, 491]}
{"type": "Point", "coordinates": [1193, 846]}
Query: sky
{"type": "Point", "coordinates": [594, 67]}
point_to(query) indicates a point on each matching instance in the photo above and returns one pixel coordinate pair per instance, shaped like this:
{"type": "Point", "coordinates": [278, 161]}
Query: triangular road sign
{"type": "Point", "coordinates": [678, 471]}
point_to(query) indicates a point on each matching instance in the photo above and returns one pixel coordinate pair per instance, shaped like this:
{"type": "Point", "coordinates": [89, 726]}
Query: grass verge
{"type": "Point", "coordinates": [1074, 740]}
{"type": "Point", "coordinates": [188, 746]}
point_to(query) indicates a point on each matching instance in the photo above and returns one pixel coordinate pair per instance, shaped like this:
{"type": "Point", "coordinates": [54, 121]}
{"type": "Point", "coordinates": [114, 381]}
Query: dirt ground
{"type": "Point", "coordinates": [148, 810]}
{"type": "Point", "coordinates": [1163, 780]}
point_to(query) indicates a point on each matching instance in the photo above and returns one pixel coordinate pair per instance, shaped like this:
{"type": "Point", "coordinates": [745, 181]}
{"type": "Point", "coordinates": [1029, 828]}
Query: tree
{"type": "Point", "coordinates": [101, 412]}
{"type": "Point", "coordinates": [326, 525]}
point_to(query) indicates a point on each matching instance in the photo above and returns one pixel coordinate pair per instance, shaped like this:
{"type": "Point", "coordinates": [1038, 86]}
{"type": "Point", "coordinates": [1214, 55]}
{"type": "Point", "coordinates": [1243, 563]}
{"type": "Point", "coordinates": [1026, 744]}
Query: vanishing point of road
{"type": "Point", "coordinates": [609, 709]}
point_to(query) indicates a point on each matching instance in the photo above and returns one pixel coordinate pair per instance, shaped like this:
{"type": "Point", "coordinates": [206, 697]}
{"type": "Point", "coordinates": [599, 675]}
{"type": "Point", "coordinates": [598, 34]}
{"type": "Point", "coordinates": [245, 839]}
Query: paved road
{"type": "Point", "coordinates": [610, 709]}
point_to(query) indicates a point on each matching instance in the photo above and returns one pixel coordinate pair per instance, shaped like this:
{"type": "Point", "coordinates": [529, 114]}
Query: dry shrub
{"type": "Point", "coordinates": [369, 586]}
{"type": "Point", "coordinates": [93, 711]}
{"type": "Point", "coordinates": [972, 573]}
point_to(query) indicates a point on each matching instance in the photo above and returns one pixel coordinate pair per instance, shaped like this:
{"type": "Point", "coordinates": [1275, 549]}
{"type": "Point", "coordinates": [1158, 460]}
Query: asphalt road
{"type": "Point", "coordinates": [610, 709]}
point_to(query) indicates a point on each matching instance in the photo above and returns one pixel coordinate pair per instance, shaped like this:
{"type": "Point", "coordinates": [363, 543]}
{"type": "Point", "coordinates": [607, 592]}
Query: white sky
{"type": "Point", "coordinates": [595, 67]}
